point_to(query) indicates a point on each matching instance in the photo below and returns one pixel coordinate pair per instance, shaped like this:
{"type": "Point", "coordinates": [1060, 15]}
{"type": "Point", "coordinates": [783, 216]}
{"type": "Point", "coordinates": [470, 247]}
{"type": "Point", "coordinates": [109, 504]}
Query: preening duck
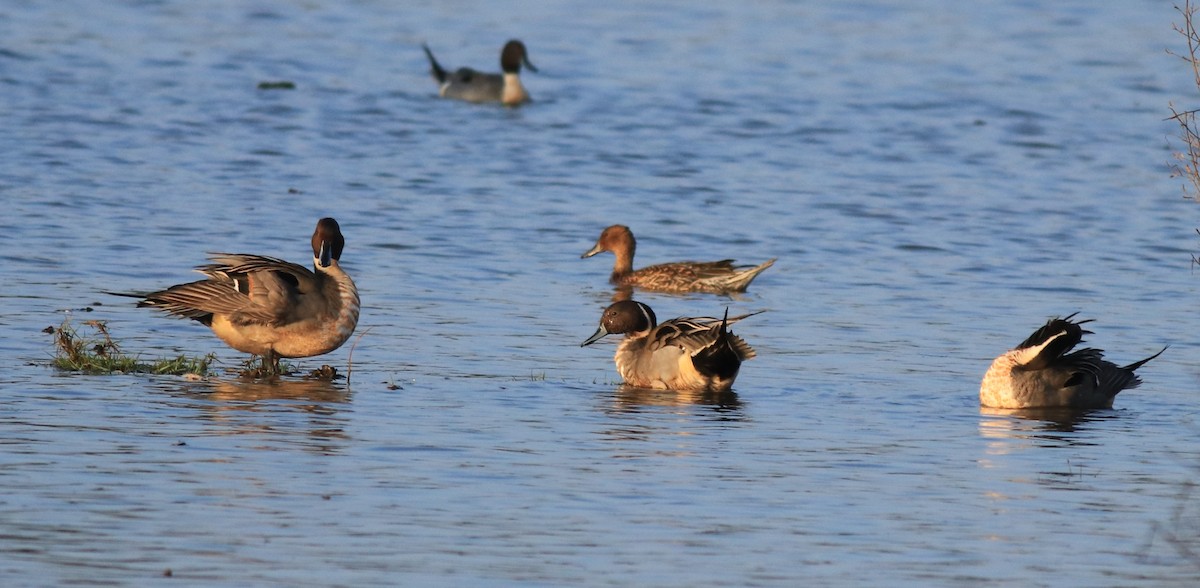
{"type": "Point", "coordinates": [1043, 372]}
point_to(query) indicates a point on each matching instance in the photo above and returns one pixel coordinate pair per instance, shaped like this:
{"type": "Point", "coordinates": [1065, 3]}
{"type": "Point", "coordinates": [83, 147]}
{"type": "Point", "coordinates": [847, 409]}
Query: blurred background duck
{"type": "Point", "coordinates": [475, 86]}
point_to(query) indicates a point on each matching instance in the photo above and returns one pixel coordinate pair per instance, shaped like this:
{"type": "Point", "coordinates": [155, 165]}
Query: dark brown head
{"type": "Point", "coordinates": [327, 242]}
{"type": "Point", "coordinates": [614, 238]}
{"type": "Point", "coordinates": [626, 316]}
{"type": "Point", "coordinates": [513, 55]}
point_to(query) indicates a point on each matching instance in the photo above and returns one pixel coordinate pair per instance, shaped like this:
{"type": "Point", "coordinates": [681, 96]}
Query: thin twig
{"type": "Point", "coordinates": [1188, 162]}
{"type": "Point", "coordinates": [350, 356]}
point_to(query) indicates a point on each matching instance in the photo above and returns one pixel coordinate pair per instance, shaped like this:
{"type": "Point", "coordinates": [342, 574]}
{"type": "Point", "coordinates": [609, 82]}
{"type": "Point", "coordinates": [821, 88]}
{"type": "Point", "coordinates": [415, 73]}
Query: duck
{"type": "Point", "coordinates": [475, 86]}
{"type": "Point", "coordinates": [689, 354]}
{"type": "Point", "coordinates": [1043, 372]}
{"type": "Point", "coordinates": [715, 277]}
{"type": "Point", "coordinates": [269, 307]}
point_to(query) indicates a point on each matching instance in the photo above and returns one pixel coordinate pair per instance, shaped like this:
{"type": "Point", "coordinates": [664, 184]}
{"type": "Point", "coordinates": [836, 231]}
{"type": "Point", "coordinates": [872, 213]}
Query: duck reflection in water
{"type": "Point", "coordinates": [622, 293]}
{"type": "Point", "coordinates": [640, 418]}
{"type": "Point", "coordinates": [270, 409]}
{"type": "Point", "coordinates": [1058, 425]}
{"type": "Point", "coordinates": [253, 391]}
{"type": "Point", "coordinates": [633, 398]}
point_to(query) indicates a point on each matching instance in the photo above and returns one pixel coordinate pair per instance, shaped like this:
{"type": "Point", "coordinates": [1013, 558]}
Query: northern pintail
{"type": "Point", "coordinates": [679, 354]}
{"type": "Point", "coordinates": [718, 277]}
{"type": "Point", "coordinates": [475, 86]}
{"type": "Point", "coordinates": [269, 307]}
{"type": "Point", "coordinates": [1043, 372]}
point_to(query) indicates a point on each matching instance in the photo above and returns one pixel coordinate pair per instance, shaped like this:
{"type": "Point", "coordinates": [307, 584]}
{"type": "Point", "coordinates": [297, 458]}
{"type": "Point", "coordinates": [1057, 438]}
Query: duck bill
{"type": "Point", "coordinates": [590, 252]}
{"type": "Point", "coordinates": [326, 255]}
{"type": "Point", "coordinates": [599, 334]}
{"type": "Point", "coordinates": [528, 65]}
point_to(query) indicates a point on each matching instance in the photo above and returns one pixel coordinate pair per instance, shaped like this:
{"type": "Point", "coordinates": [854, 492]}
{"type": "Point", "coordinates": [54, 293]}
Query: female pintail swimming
{"type": "Point", "coordinates": [679, 354]}
{"type": "Point", "coordinates": [475, 86]}
{"type": "Point", "coordinates": [717, 277]}
{"type": "Point", "coordinates": [1043, 372]}
{"type": "Point", "coordinates": [269, 307]}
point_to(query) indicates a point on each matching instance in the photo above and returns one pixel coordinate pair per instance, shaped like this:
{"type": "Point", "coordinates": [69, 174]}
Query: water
{"type": "Point", "coordinates": [935, 180]}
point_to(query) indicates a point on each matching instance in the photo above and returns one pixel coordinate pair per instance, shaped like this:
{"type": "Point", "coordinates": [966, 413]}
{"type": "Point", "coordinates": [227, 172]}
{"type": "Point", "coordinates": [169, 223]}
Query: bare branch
{"type": "Point", "coordinates": [1187, 163]}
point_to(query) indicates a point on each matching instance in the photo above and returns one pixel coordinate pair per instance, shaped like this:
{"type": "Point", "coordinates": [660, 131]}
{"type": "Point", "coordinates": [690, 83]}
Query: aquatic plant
{"type": "Point", "coordinates": [98, 353]}
{"type": "Point", "coordinates": [277, 85]}
{"type": "Point", "coordinates": [1179, 531]}
{"type": "Point", "coordinates": [1187, 163]}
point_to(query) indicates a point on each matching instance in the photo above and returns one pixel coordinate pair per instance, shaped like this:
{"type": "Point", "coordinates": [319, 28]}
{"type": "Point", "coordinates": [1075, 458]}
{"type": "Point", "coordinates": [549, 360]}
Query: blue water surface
{"type": "Point", "coordinates": [935, 178]}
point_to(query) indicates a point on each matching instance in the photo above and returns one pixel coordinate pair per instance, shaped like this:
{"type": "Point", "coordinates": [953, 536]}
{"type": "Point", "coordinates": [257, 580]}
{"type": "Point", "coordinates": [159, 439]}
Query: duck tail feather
{"type": "Point", "coordinates": [435, 68]}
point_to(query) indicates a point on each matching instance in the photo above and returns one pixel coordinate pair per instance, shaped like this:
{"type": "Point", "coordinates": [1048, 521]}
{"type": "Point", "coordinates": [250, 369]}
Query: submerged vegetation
{"type": "Point", "coordinates": [256, 368]}
{"type": "Point", "coordinates": [97, 353]}
{"type": "Point", "coordinates": [279, 85]}
{"type": "Point", "coordinates": [1179, 531]}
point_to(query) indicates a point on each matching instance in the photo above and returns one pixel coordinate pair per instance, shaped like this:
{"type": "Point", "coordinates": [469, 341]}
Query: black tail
{"type": "Point", "coordinates": [438, 73]}
{"type": "Point", "coordinates": [127, 294]}
{"type": "Point", "coordinates": [721, 359]}
{"type": "Point", "coordinates": [1137, 364]}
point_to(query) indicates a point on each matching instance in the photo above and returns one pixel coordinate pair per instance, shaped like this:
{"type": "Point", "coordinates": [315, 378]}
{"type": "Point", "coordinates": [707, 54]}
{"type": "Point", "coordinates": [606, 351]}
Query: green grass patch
{"type": "Point", "coordinates": [97, 353]}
